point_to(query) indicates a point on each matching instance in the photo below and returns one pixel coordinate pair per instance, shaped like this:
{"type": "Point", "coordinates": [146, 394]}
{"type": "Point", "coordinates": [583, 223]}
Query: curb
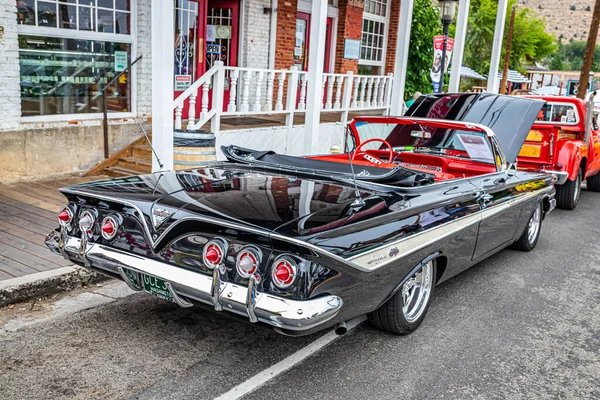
{"type": "Point", "coordinates": [45, 283]}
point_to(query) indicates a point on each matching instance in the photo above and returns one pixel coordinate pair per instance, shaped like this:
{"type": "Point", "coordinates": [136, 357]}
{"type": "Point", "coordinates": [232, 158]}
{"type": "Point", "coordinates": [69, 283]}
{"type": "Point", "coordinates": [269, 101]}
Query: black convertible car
{"type": "Point", "coordinates": [302, 244]}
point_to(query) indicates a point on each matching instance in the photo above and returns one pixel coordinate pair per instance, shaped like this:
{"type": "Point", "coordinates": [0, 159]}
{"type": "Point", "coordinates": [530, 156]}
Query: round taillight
{"type": "Point", "coordinates": [66, 216]}
{"type": "Point", "coordinates": [214, 253]}
{"type": "Point", "coordinates": [284, 272]}
{"type": "Point", "coordinates": [109, 228]}
{"type": "Point", "coordinates": [86, 222]}
{"type": "Point", "coordinates": [248, 261]}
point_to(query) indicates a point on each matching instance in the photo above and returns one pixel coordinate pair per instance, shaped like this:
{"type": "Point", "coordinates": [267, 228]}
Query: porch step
{"type": "Point", "coordinates": [135, 159]}
{"type": "Point", "coordinates": [142, 151]}
{"type": "Point", "coordinates": [135, 164]}
{"type": "Point", "coordinates": [120, 172]}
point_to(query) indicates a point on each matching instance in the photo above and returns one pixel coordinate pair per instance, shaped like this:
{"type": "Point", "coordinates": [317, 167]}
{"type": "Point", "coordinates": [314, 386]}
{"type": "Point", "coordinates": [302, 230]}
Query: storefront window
{"type": "Point", "coordinates": [186, 31]}
{"type": "Point", "coordinates": [109, 16]}
{"type": "Point", "coordinates": [65, 76]}
{"type": "Point", "coordinates": [68, 52]}
{"type": "Point", "coordinates": [373, 38]}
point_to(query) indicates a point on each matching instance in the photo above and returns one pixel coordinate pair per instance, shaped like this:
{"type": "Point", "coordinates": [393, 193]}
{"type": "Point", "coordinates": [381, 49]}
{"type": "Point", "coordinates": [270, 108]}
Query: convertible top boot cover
{"type": "Point", "coordinates": [510, 117]}
{"type": "Point", "coordinates": [399, 176]}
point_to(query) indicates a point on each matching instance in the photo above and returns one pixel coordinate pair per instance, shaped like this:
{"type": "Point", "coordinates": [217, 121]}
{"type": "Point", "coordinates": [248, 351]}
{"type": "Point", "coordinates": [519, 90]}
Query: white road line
{"type": "Point", "coordinates": [290, 361]}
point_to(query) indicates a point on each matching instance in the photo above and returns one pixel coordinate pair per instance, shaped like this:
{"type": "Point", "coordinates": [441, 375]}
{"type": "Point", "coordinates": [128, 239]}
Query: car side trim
{"type": "Point", "coordinates": [379, 257]}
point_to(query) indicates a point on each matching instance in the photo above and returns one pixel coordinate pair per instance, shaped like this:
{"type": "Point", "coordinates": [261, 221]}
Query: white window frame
{"type": "Point", "coordinates": [131, 39]}
{"type": "Point", "coordinates": [386, 28]}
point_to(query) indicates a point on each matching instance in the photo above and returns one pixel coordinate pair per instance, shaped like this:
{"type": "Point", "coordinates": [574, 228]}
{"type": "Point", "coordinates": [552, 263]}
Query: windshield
{"type": "Point", "coordinates": [427, 139]}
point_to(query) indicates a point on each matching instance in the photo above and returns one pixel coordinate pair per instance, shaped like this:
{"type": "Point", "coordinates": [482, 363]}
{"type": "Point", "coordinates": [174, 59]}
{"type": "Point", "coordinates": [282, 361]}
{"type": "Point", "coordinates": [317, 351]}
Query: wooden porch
{"type": "Point", "coordinates": [28, 211]}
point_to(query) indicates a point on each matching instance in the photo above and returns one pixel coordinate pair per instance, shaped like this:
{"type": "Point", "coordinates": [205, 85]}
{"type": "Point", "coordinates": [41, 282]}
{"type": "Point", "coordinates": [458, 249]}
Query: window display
{"type": "Point", "coordinates": [65, 76]}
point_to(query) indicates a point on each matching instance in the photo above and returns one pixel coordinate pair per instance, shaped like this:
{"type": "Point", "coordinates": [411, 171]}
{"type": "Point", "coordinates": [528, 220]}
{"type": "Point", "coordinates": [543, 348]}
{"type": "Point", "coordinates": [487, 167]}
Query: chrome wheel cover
{"type": "Point", "coordinates": [534, 224]}
{"type": "Point", "coordinates": [416, 292]}
{"type": "Point", "coordinates": [577, 188]}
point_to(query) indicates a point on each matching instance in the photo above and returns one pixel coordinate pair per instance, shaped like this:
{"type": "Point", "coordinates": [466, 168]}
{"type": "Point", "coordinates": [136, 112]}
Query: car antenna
{"type": "Point", "coordinates": [160, 164]}
{"type": "Point", "coordinates": [358, 203]}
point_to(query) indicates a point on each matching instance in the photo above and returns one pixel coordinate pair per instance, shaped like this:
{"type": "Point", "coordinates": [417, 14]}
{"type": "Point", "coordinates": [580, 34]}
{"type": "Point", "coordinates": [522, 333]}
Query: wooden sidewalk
{"type": "Point", "coordinates": [28, 211]}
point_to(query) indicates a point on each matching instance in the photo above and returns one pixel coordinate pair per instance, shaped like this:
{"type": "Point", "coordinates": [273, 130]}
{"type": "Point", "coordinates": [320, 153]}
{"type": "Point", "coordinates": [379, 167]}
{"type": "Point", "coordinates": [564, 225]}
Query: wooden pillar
{"type": "Point", "coordinates": [588, 59]}
{"type": "Point", "coordinates": [163, 32]}
{"type": "Point", "coordinates": [493, 83]}
{"type": "Point", "coordinates": [316, 58]}
{"type": "Point", "coordinates": [401, 59]}
{"type": "Point", "coordinates": [459, 45]}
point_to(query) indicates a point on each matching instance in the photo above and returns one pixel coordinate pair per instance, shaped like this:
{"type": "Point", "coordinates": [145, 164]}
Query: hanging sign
{"type": "Point", "coordinates": [223, 32]}
{"type": "Point", "coordinates": [438, 45]}
{"type": "Point", "coordinates": [120, 60]}
{"type": "Point", "coordinates": [211, 33]}
{"type": "Point", "coordinates": [351, 49]}
{"type": "Point", "coordinates": [182, 82]}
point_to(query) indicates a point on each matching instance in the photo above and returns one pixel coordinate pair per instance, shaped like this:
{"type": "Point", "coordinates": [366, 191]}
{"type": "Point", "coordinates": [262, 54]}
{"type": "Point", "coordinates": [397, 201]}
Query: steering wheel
{"type": "Point", "coordinates": [369, 157]}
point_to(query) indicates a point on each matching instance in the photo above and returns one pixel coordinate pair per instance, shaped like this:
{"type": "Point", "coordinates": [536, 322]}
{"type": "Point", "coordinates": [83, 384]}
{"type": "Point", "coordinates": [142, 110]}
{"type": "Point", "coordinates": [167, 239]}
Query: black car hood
{"type": "Point", "coordinates": [510, 117]}
{"type": "Point", "coordinates": [257, 199]}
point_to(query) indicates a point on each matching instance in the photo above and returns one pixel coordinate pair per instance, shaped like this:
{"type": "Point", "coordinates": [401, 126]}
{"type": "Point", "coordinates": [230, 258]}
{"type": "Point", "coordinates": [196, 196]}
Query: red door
{"type": "Point", "coordinates": [303, 42]}
{"type": "Point", "coordinates": [205, 31]}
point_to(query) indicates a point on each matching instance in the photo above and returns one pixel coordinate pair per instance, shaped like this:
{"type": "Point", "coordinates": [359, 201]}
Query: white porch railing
{"type": "Point", "coordinates": [255, 91]}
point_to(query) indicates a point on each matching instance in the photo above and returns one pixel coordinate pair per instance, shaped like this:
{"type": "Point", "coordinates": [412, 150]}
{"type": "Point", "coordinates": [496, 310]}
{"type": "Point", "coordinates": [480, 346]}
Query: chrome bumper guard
{"type": "Point", "coordinates": [279, 312]}
{"type": "Point", "coordinates": [560, 176]}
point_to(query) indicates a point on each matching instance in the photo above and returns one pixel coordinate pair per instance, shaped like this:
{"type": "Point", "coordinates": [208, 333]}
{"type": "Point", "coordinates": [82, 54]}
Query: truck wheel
{"type": "Point", "coordinates": [567, 195]}
{"type": "Point", "coordinates": [593, 183]}
{"type": "Point", "coordinates": [530, 237]}
{"type": "Point", "coordinates": [405, 311]}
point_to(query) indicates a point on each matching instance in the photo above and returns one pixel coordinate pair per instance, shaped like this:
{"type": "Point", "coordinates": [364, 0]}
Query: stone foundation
{"type": "Point", "coordinates": [38, 151]}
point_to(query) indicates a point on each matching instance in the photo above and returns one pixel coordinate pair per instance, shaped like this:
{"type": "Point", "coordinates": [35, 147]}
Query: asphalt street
{"type": "Point", "coordinates": [518, 325]}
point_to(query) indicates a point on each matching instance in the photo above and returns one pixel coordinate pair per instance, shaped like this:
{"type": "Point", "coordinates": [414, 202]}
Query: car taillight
{"type": "Point", "coordinates": [247, 261]}
{"type": "Point", "coordinates": [86, 222]}
{"type": "Point", "coordinates": [109, 229]}
{"type": "Point", "coordinates": [66, 216]}
{"type": "Point", "coordinates": [214, 253]}
{"type": "Point", "coordinates": [284, 272]}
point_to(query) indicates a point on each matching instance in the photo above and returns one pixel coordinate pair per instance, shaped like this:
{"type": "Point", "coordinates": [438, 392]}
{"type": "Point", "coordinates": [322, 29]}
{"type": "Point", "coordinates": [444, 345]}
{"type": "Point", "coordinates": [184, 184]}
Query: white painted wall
{"type": "Point", "coordinates": [256, 33]}
{"type": "Point", "coordinates": [282, 140]}
{"type": "Point", "coordinates": [144, 66]}
{"type": "Point", "coordinates": [10, 90]}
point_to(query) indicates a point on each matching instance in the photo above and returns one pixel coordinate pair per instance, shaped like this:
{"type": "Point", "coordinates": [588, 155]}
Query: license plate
{"type": "Point", "coordinates": [150, 284]}
{"type": "Point", "coordinates": [530, 150]}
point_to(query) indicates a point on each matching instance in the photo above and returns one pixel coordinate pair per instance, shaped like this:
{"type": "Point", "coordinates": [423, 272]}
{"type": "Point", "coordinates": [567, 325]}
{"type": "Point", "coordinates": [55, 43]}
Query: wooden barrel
{"type": "Point", "coordinates": [193, 149]}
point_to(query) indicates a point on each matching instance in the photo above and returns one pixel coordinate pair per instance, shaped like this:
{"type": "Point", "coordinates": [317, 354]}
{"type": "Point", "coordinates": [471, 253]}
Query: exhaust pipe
{"type": "Point", "coordinates": [340, 328]}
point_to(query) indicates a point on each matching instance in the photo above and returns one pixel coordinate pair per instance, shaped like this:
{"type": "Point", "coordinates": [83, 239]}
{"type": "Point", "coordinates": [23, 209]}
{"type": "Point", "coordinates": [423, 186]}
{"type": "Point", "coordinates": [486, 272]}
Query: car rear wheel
{"type": "Point", "coordinates": [593, 183]}
{"type": "Point", "coordinates": [530, 237]}
{"type": "Point", "coordinates": [405, 311]}
{"type": "Point", "coordinates": [567, 195]}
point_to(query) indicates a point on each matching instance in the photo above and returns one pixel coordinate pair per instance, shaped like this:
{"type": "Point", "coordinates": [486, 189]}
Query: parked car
{"type": "Point", "coordinates": [564, 140]}
{"type": "Point", "coordinates": [303, 244]}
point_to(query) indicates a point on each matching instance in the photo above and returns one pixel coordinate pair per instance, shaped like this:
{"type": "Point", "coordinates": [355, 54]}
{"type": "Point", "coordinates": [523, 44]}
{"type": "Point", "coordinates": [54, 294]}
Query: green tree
{"type": "Point", "coordinates": [425, 25]}
{"type": "Point", "coordinates": [569, 57]}
{"type": "Point", "coordinates": [531, 43]}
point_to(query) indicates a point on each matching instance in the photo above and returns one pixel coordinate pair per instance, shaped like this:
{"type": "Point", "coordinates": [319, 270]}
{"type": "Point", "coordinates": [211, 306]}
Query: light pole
{"type": "Point", "coordinates": [447, 11]}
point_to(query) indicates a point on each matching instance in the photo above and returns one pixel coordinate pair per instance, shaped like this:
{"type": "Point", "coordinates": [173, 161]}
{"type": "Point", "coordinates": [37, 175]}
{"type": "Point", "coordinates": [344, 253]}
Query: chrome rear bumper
{"type": "Point", "coordinates": [183, 284]}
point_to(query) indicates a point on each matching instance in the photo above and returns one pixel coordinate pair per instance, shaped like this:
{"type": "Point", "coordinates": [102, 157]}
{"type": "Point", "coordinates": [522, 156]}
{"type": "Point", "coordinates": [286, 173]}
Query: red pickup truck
{"type": "Point", "coordinates": [565, 141]}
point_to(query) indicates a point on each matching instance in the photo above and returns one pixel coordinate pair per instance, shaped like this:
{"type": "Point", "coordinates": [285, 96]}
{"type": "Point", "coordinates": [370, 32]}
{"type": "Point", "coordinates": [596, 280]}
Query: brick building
{"type": "Point", "coordinates": [56, 54]}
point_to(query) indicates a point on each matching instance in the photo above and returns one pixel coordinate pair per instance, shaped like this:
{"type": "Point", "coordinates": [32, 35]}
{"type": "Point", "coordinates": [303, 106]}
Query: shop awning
{"type": "Point", "coordinates": [466, 72]}
{"type": "Point", "coordinates": [515, 77]}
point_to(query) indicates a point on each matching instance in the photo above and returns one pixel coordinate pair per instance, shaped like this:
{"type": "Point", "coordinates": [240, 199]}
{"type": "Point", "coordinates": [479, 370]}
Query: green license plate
{"type": "Point", "coordinates": [150, 284]}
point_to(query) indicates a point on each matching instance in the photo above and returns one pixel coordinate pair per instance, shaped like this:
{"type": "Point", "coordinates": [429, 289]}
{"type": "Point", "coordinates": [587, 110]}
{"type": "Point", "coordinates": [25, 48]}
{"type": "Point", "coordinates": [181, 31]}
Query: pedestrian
{"type": "Point", "coordinates": [415, 97]}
